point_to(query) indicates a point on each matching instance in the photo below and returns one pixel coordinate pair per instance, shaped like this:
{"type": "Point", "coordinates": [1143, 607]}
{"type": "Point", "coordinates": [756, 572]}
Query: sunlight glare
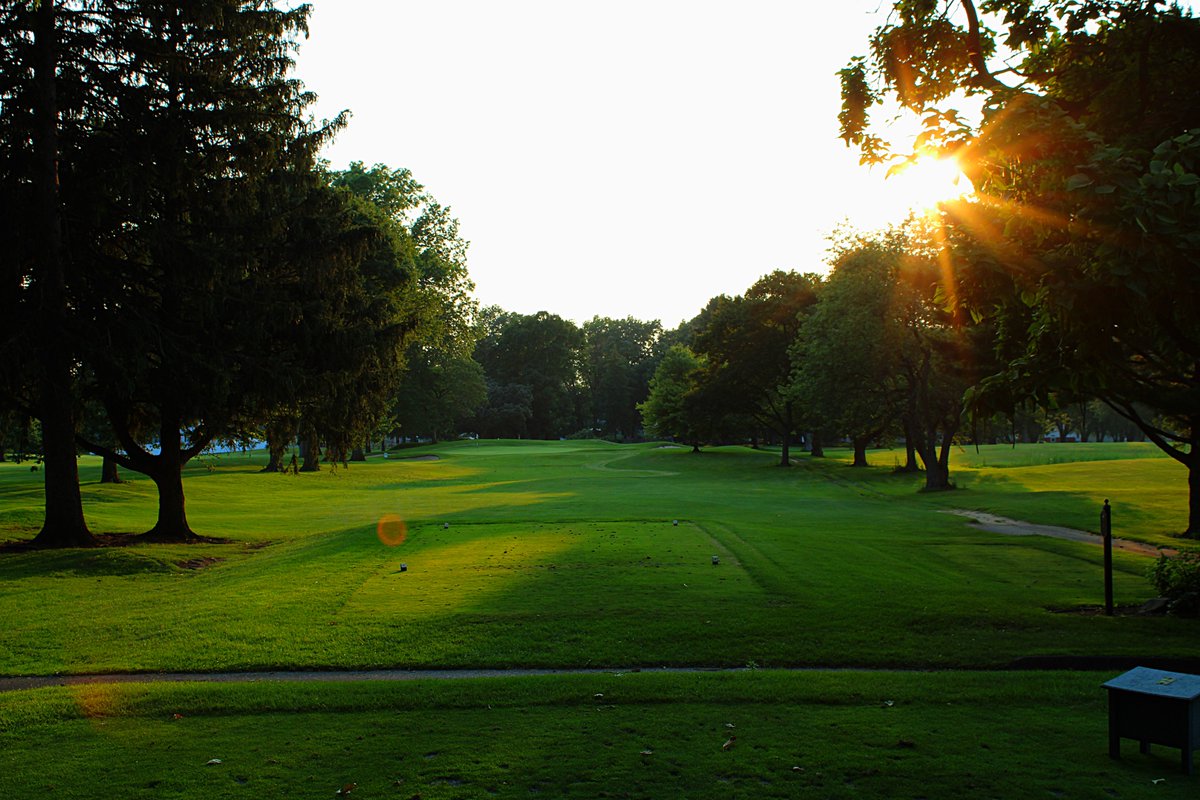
{"type": "Point", "coordinates": [921, 185]}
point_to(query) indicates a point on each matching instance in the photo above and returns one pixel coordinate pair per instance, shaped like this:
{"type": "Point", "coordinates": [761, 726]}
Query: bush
{"type": "Point", "coordinates": [1178, 579]}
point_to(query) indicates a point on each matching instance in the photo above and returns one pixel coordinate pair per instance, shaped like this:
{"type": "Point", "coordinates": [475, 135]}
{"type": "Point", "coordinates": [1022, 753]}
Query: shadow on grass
{"type": "Point", "coordinates": [115, 560]}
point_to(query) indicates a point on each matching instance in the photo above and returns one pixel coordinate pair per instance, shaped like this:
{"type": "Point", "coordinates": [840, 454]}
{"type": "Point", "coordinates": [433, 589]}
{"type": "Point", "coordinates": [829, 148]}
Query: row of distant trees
{"type": "Point", "coordinates": [873, 353]}
{"type": "Point", "coordinates": [1072, 277]}
{"type": "Point", "coordinates": [179, 268]}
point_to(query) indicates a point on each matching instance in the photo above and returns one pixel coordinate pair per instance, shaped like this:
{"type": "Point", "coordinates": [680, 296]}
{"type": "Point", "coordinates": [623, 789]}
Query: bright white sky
{"type": "Point", "coordinates": [624, 158]}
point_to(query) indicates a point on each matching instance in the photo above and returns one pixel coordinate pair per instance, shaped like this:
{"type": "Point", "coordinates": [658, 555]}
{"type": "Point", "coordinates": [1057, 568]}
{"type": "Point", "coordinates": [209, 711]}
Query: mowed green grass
{"type": "Point", "coordinates": [1057, 484]}
{"type": "Point", "coordinates": [742, 735]}
{"type": "Point", "coordinates": [566, 555]}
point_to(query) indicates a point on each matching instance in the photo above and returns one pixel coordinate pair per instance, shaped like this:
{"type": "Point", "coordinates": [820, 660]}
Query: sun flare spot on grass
{"type": "Point", "coordinates": [96, 700]}
{"type": "Point", "coordinates": [391, 530]}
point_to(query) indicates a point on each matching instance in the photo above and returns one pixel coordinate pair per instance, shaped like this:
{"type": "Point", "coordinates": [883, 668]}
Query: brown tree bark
{"type": "Point", "coordinates": [860, 451]}
{"type": "Point", "coordinates": [166, 470]}
{"type": "Point", "coordinates": [310, 455]}
{"type": "Point", "coordinates": [108, 471]}
{"type": "Point", "coordinates": [64, 524]}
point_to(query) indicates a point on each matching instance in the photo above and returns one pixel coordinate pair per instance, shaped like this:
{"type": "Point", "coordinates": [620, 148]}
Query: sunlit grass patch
{"type": "Point", "coordinates": [553, 569]}
{"type": "Point", "coordinates": [1050, 484]}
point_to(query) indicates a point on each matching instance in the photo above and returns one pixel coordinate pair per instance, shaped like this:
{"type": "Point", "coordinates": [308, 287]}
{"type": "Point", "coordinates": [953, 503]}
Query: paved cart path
{"type": "Point", "coordinates": [336, 676]}
{"type": "Point", "coordinates": [1015, 527]}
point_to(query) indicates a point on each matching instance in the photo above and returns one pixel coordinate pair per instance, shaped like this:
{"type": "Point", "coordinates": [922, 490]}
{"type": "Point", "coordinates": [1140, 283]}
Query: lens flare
{"type": "Point", "coordinates": [391, 530]}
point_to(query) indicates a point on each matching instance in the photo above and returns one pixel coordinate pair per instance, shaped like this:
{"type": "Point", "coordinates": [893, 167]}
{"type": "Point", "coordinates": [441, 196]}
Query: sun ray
{"type": "Point", "coordinates": [919, 184]}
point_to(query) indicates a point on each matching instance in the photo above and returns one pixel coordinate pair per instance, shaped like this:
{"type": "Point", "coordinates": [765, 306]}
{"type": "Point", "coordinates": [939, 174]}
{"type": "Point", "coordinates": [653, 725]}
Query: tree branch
{"type": "Point", "coordinates": [983, 76]}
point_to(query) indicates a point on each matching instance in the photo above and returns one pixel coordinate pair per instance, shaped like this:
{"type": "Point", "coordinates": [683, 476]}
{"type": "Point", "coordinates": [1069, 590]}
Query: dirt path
{"type": "Point", "coordinates": [1014, 527]}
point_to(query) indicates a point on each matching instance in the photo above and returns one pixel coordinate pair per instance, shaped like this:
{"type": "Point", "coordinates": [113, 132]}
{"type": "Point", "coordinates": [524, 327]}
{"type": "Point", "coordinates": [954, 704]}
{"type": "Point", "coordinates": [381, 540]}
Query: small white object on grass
{"type": "Point", "coordinates": [445, 525]}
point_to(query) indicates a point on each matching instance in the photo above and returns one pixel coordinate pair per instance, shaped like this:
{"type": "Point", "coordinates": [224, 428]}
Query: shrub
{"type": "Point", "coordinates": [1177, 578]}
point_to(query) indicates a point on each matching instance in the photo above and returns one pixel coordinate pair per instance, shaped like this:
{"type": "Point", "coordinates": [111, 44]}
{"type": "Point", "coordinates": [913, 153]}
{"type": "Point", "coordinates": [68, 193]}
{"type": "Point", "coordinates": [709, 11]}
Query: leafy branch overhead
{"type": "Point", "coordinates": [1080, 246]}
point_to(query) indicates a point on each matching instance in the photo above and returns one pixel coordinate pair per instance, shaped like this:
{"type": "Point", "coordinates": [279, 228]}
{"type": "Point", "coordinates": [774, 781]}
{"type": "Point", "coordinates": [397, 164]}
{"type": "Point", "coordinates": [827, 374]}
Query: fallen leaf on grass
{"type": "Point", "coordinates": [729, 743]}
{"type": "Point", "coordinates": [647, 752]}
{"type": "Point", "coordinates": [212, 761]}
{"type": "Point", "coordinates": [347, 789]}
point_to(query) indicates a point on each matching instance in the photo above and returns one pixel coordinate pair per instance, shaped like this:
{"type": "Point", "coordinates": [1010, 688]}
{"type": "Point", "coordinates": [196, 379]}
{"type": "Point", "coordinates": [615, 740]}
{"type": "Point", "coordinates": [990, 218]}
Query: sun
{"type": "Point", "coordinates": [921, 184]}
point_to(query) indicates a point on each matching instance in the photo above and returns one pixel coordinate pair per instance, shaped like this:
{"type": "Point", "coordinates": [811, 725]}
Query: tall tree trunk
{"type": "Point", "coordinates": [275, 450]}
{"type": "Point", "coordinates": [108, 471]}
{"type": "Point", "coordinates": [785, 453]}
{"type": "Point", "coordinates": [279, 432]}
{"type": "Point", "coordinates": [167, 474]}
{"type": "Point", "coordinates": [172, 524]}
{"type": "Point", "coordinates": [910, 446]}
{"type": "Point", "coordinates": [860, 451]}
{"type": "Point", "coordinates": [937, 476]}
{"type": "Point", "coordinates": [818, 448]}
{"type": "Point", "coordinates": [63, 525]}
{"type": "Point", "coordinates": [935, 458]}
{"type": "Point", "coordinates": [310, 455]}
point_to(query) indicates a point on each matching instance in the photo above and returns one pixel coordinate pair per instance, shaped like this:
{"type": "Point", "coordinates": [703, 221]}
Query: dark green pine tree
{"type": "Point", "coordinates": [196, 168]}
{"type": "Point", "coordinates": [44, 48]}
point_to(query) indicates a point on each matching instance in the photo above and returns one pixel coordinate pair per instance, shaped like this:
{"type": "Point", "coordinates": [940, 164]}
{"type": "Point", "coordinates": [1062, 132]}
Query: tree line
{"type": "Point", "coordinates": [181, 269]}
{"type": "Point", "coordinates": [1070, 278]}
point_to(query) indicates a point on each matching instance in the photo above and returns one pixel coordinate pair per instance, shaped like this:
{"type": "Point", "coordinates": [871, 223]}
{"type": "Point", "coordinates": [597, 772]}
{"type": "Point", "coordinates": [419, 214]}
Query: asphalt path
{"type": "Point", "coordinates": [1015, 527]}
{"type": "Point", "coordinates": [329, 676]}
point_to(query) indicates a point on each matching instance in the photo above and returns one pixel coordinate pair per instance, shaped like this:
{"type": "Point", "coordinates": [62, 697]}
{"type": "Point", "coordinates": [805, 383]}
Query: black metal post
{"type": "Point", "coordinates": [1106, 532]}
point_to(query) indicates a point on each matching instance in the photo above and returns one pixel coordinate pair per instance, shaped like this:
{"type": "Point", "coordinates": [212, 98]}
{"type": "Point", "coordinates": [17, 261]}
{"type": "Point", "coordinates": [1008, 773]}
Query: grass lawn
{"type": "Point", "coordinates": [1059, 484]}
{"type": "Point", "coordinates": [743, 735]}
{"type": "Point", "coordinates": [529, 554]}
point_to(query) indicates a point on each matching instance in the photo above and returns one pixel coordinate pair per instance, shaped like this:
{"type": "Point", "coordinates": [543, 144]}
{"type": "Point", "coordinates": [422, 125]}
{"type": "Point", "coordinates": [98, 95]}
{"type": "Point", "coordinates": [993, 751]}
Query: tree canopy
{"type": "Point", "coordinates": [195, 274]}
{"type": "Point", "coordinates": [1082, 244]}
{"type": "Point", "coordinates": [745, 341]}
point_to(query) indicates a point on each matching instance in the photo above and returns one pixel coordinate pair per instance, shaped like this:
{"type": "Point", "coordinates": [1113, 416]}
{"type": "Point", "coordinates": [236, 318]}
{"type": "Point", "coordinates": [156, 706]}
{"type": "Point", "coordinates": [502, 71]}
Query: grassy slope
{"type": "Point", "coordinates": [564, 555]}
{"type": "Point", "coordinates": [1060, 484]}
